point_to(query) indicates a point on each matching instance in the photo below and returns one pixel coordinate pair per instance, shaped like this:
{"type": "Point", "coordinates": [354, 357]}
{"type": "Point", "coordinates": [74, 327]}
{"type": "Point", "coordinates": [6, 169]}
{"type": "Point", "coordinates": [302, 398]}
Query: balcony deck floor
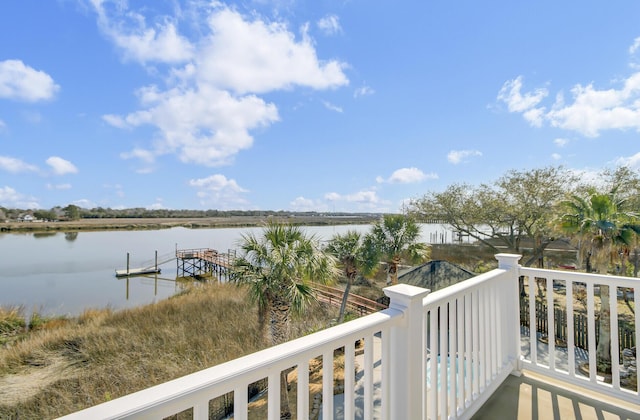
{"type": "Point", "coordinates": [532, 396]}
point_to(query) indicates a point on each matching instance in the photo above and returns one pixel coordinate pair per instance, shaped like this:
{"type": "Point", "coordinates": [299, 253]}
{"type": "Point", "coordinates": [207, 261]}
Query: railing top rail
{"type": "Point", "coordinates": [247, 368]}
{"type": "Point", "coordinates": [576, 276]}
{"type": "Point", "coordinates": [462, 287]}
{"type": "Point", "coordinates": [196, 250]}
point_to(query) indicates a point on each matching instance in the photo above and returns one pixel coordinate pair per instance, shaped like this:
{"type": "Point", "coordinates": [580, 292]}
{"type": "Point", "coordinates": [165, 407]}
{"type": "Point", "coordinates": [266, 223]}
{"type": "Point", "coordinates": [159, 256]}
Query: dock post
{"type": "Point", "coordinates": [127, 263]}
{"type": "Point", "coordinates": [156, 260]}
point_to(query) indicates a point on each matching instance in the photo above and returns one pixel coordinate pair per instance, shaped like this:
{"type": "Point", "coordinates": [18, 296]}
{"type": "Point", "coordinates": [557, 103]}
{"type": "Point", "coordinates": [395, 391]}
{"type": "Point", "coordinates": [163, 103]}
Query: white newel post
{"type": "Point", "coordinates": [408, 375]}
{"type": "Point", "coordinates": [509, 262]}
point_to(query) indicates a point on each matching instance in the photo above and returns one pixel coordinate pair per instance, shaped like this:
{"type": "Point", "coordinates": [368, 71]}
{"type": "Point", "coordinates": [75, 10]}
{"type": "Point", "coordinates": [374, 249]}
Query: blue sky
{"type": "Point", "coordinates": [325, 105]}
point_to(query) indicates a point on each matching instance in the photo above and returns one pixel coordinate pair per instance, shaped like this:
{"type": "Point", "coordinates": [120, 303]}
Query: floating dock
{"type": "Point", "coordinates": [137, 272]}
{"type": "Point", "coordinates": [130, 272]}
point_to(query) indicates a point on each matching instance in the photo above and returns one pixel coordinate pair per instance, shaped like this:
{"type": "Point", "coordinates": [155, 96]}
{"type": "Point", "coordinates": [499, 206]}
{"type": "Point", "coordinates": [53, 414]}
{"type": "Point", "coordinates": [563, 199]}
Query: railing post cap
{"type": "Point", "coordinates": [405, 292]}
{"type": "Point", "coordinates": [507, 261]}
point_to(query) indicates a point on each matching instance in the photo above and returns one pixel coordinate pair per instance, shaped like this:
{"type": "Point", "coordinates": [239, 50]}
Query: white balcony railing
{"type": "Point", "coordinates": [430, 355]}
{"type": "Point", "coordinates": [569, 355]}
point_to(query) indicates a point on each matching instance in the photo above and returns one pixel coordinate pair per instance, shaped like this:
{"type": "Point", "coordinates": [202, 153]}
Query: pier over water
{"type": "Point", "coordinates": [204, 262]}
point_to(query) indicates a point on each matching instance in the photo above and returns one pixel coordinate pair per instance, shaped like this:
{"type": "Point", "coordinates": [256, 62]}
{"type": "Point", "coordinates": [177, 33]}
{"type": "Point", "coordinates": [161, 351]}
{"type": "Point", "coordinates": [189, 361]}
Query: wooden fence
{"type": "Point", "coordinates": [626, 335]}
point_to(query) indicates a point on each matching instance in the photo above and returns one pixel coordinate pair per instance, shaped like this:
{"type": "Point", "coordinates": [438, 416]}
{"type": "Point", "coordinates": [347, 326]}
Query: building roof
{"type": "Point", "coordinates": [435, 275]}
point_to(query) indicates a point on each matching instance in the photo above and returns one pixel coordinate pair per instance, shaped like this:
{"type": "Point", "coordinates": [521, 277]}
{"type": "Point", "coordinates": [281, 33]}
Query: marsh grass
{"type": "Point", "coordinates": [102, 354]}
{"type": "Point", "coordinates": [12, 324]}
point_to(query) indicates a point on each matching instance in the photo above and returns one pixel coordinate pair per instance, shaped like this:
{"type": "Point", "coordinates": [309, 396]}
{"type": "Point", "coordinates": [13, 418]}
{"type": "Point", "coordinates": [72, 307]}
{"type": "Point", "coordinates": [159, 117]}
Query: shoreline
{"type": "Point", "coordinates": [167, 223]}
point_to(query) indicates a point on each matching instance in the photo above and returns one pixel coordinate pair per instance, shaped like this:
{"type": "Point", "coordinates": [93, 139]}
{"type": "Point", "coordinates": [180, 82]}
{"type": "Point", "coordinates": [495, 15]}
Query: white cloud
{"type": "Point", "coordinates": [330, 25]}
{"type": "Point", "coordinates": [7, 194]}
{"type": "Point", "coordinates": [129, 31]}
{"type": "Point", "coordinates": [363, 91]}
{"type": "Point", "coordinates": [591, 111]}
{"type": "Point", "coordinates": [15, 166]}
{"type": "Point", "coordinates": [367, 196]}
{"type": "Point", "coordinates": [3, 125]}
{"type": "Point", "coordinates": [156, 206]}
{"type": "Point", "coordinates": [560, 142]}
{"type": "Point", "coordinates": [595, 110]}
{"type": "Point", "coordinates": [259, 56]}
{"type": "Point", "coordinates": [630, 161]}
{"type": "Point", "coordinates": [206, 113]}
{"type": "Point", "coordinates": [556, 156]}
{"type": "Point", "coordinates": [332, 196]}
{"type": "Point", "coordinates": [205, 126]}
{"type": "Point", "coordinates": [142, 154]}
{"type": "Point", "coordinates": [115, 120]}
{"type": "Point", "coordinates": [458, 156]}
{"type": "Point", "coordinates": [306, 204]}
{"type": "Point", "coordinates": [635, 59]}
{"type": "Point", "coordinates": [332, 107]}
{"type": "Point", "coordinates": [365, 200]}
{"type": "Point", "coordinates": [515, 100]}
{"type": "Point", "coordinates": [61, 166]}
{"type": "Point", "coordinates": [58, 187]}
{"type": "Point", "coordinates": [219, 191]}
{"type": "Point", "coordinates": [407, 176]}
{"type": "Point", "coordinates": [145, 170]}
{"type": "Point", "coordinates": [590, 177]}
{"type": "Point", "coordinates": [85, 203]}
{"type": "Point", "coordinates": [634, 47]}
{"type": "Point", "coordinates": [21, 82]}
{"type": "Point", "coordinates": [9, 197]}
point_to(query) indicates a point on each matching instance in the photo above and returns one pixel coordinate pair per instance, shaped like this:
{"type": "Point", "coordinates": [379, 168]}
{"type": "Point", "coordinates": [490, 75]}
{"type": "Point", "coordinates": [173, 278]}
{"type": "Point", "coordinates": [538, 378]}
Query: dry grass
{"type": "Point", "coordinates": [103, 355]}
{"type": "Point", "coordinates": [12, 324]}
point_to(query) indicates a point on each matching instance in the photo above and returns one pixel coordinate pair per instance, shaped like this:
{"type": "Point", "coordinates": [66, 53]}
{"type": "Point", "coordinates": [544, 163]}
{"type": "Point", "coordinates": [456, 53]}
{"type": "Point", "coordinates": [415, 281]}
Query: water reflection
{"type": "Point", "coordinates": [67, 273]}
{"type": "Point", "coordinates": [71, 236]}
{"type": "Point", "coordinates": [40, 235]}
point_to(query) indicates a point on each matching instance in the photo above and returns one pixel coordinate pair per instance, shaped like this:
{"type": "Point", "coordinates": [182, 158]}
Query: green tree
{"type": "Point", "coordinates": [519, 205]}
{"type": "Point", "coordinates": [603, 229]}
{"type": "Point", "coordinates": [394, 239]}
{"type": "Point", "coordinates": [278, 267]}
{"type": "Point", "coordinates": [72, 212]}
{"type": "Point", "coordinates": [626, 182]}
{"type": "Point", "coordinates": [355, 257]}
{"type": "Point", "coordinates": [45, 215]}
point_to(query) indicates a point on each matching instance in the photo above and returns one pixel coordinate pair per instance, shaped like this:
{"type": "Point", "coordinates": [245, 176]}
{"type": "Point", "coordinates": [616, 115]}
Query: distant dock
{"type": "Point", "coordinates": [190, 263]}
{"type": "Point", "coordinates": [148, 269]}
{"type": "Point", "coordinates": [204, 261]}
{"type": "Point", "coordinates": [137, 272]}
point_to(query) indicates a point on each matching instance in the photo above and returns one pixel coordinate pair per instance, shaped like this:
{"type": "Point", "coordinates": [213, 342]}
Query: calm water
{"type": "Point", "coordinates": [58, 273]}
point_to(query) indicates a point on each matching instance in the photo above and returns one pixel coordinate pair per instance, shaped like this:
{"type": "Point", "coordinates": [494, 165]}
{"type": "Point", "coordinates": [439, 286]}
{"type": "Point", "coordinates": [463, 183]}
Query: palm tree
{"type": "Point", "coordinates": [278, 267]}
{"type": "Point", "coordinates": [355, 258]}
{"type": "Point", "coordinates": [395, 238]}
{"type": "Point", "coordinates": [603, 229]}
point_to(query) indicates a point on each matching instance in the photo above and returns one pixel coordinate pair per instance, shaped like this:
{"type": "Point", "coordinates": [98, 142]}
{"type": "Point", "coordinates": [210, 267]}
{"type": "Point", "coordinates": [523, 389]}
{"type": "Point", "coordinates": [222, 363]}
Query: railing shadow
{"type": "Point", "coordinates": [529, 397]}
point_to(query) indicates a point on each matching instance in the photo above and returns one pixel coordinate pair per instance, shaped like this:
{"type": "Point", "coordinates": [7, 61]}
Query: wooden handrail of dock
{"type": "Point", "coordinates": [207, 254]}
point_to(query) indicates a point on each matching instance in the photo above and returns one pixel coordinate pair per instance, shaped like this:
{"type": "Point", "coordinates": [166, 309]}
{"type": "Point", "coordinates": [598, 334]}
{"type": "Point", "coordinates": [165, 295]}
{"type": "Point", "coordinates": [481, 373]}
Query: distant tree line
{"type": "Point", "coordinates": [73, 212]}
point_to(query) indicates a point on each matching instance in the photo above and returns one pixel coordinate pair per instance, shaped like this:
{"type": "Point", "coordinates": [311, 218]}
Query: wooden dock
{"type": "Point", "coordinates": [149, 268]}
{"type": "Point", "coordinates": [131, 272]}
{"type": "Point", "coordinates": [204, 262]}
{"type": "Point", "coordinates": [197, 262]}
